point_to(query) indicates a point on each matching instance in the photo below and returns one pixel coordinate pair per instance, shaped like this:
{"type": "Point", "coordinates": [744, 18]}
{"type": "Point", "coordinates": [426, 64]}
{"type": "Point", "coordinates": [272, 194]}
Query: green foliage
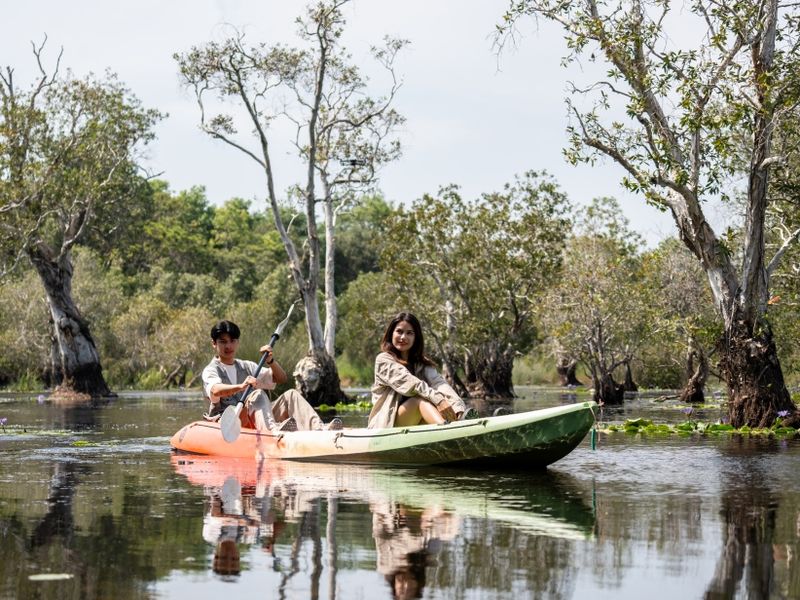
{"type": "Point", "coordinates": [534, 369]}
{"type": "Point", "coordinates": [475, 270]}
{"type": "Point", "coordinates": [177, 236]}
{"type": "Point", "coordinates": [342, 407]}
{"type": "Point", "coordinates": [67, 170]}
{"type": "Point", "coordinates": [599, 311]}
{"type": "Point", "coordinates": [360, 236]}
{"type": "Point", "coordinates": [647, 427]}
{"type": "Point", "coordinates": [682, 314]}
{"type": "Point", "coordinates": [366, 307]}
{"type": "Point", "coordinates": [354, 374]}
{"type": "Point", "coordinates": [68, 177]}
{"type": "Point", "coordinates": [783, 220]}
{"type": "Point", "coordinates": [24, 334]}
{"type": "Point", "coordinates": [691, 122]}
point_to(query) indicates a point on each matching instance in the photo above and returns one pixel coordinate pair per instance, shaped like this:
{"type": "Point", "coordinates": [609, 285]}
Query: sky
{"type": "Point", "coordinates": [473, 118]}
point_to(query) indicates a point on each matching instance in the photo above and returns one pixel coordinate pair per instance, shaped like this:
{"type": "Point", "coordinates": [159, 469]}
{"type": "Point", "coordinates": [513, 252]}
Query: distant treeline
{"type": "Point", "coordinates": [493, 280]}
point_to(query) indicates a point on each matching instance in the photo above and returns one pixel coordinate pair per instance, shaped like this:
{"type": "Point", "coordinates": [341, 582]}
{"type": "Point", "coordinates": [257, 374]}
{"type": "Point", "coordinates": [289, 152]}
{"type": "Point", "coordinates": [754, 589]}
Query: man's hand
{"type": "Point", "coordinates": [267, 349]}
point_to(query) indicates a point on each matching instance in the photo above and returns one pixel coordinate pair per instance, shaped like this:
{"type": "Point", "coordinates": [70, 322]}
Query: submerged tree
{"type": "Point", "coordinates": [686, 111]}
{"type": "Point", "coordinates": [343, 135]}
{"type": "Point", "coordinates": [686, 327]}
{"type": "Point", "coordinates": [68, 151]}
{"type": "Point", "coordinates": [476, 270]}
{"type": "Point", "coordinates": [598, 311]}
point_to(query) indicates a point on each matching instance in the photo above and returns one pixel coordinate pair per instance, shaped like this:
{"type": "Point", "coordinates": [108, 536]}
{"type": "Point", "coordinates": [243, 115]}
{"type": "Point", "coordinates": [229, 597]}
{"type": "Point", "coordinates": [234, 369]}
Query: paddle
{"type": "Point", "coordinates": [229, 424]}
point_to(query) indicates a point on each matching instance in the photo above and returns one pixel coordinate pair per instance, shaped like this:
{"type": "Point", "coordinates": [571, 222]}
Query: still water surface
{"type": "Point", "coordinates": [93, 504]}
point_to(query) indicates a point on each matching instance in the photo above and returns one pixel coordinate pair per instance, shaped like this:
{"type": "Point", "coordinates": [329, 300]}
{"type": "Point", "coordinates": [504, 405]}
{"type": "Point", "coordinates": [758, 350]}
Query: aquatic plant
{"type": "Point", "coordinates": [3, 421]}
{"type": "Point", "coordinates": [646, 426]}
{"type": "Point", "coordinates": [346, 407]}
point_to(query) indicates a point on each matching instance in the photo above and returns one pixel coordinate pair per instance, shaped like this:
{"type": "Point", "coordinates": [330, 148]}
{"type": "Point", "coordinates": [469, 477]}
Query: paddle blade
{"type": "Point", "coordinates": [229, 423]}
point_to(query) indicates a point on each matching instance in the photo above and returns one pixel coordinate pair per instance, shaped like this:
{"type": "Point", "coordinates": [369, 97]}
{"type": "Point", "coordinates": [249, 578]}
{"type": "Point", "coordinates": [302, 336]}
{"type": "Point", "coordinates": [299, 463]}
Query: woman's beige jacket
{"type": "Point", "coordinates": [393, 381]}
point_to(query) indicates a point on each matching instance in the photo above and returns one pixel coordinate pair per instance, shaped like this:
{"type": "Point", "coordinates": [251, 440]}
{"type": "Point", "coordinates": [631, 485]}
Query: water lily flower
{"type": "Point", "coordinates": [783, 413]}
{"type": "Point", "coordinates": [687, 411]}
{"type": "Point", "coordinates": [3, 421]}
{"type": "Point", "coordinates": [40, 399]}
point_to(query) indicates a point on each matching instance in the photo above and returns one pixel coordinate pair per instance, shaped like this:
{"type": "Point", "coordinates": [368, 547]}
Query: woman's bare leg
{"type": "Point", "coordinates": [415, 411]}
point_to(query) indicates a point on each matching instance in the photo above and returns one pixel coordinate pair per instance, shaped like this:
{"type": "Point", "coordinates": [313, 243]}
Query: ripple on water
{"type": "Point", "coordinates": [692, 464]}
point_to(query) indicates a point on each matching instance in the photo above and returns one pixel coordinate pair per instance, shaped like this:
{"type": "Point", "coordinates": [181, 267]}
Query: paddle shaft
{"type": "Point", "coordinates": [260, 366]}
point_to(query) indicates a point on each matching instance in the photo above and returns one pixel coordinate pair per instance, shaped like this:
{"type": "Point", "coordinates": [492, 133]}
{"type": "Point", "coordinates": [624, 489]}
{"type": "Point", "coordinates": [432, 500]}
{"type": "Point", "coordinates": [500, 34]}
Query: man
{"type": "Point", "coordinates": [226, 377]}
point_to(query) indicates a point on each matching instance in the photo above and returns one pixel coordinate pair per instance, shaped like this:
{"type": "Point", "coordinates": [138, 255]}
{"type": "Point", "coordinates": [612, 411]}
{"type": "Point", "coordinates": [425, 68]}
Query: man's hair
{"type": "Point", "coordinates": [229, 327]}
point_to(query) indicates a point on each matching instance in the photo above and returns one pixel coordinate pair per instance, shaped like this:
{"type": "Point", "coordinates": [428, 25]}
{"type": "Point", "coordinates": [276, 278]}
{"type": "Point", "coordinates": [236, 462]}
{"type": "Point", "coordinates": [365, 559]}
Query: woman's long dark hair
{"type": "Point", "coordinates": [416, 355]}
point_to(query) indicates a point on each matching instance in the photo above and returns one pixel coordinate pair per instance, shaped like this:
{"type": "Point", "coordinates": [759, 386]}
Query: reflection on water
{"type": "Point", "coordinates": [98, 507]}
{"type": "Point", "coordinates": [423, 522]}
{"type": "Point", "coordinates": [753, 546]}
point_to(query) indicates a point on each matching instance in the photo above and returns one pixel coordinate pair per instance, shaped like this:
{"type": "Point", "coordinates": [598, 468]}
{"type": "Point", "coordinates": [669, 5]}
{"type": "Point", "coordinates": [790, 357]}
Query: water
{"type": "Point", "coordinates": [93, 504]}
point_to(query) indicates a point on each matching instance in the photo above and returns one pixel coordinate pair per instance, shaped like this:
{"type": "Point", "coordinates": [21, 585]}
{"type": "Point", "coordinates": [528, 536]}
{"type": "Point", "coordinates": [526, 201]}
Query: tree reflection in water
{"type": "Point", "coordinates": [58, 521]}
{"type": "Point", "coordinates": [750, 511]}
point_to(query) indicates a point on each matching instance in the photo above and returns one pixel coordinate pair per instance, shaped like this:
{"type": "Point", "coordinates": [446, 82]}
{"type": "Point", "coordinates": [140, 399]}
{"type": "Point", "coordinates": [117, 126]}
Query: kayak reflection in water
{"type": "Point", "coordinates": [407, 541]}
{"type": "Point", "coordinates": [408, 390]}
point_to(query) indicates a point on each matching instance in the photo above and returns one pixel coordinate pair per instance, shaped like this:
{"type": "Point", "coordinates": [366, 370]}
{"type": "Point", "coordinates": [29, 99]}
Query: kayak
{"type": "Point", "coordinates": [547, 503]}
{"type": "Point", "coordinates": [532, 439]}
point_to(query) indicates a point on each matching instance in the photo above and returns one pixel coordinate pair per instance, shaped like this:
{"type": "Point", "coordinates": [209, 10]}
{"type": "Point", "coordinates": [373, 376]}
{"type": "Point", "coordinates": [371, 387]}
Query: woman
{"type": "Point", "coordinates": [408, 390]}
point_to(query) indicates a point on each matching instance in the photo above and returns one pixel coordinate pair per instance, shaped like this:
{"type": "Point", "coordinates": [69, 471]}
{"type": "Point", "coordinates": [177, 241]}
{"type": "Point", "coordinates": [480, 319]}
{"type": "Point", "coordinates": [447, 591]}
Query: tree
{"type": "Point", "coordinates": [68, 150]}
{"type": "Point", "coordinates": [474, 272]}
{"type": "Point", "coordinates": [685, 324]}
{"type": "Point", "coordinates": [359, 238]}
{"type": "Point", "coordinates": [598, 312]}
{"type": "Point", "coordinates": [368, 304]}
{"type": "Point", "coordinates": [343, 136]}
{"type": "Point", "coordinates": [783, 219]}
{"type": "Point", "coordinates": [177, 234]}
{"type": "Point", "coordinates": [686, 111]}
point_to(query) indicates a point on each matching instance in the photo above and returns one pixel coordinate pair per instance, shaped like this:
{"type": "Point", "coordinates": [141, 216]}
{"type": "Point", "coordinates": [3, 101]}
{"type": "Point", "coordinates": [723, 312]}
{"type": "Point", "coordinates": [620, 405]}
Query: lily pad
{"type": "Point", "coordinates": [51, 576]}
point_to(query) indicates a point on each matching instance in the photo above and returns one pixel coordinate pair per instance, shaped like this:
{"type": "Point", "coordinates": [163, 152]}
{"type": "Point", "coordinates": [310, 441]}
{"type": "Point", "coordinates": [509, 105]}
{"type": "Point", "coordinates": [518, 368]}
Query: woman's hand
{"type": "Point", "coordinates": [447, 411]}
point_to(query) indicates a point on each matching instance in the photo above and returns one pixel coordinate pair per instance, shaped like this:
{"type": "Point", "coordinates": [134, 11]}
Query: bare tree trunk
{"type": "Point", "coordinates": [316, 375]}
{"type": "Point", "coordinates": [750, 367]}
{"type": "Point", "coordinates": [176, 377]}
{"type": "Point", "coordinates": [606, 390]}
{"type": "Point", "coordinates": [566, 369]}
{"type": "Point", "coordinates": [696, 374]}
{"type": "Point", "coordinates": [492, 367]}
{"type": "Point", "coordinates": [330, 538]}
{"type": "Point", "coordinates": [629, 385]}
{"type": "Point", "coordinates": [75, 363]}
{"type": "Point", "coordinates": [746, 566]}
{"type": "Point", "coordinates": [451, 375]}
{"type": "Point", "coordinates": [331, 312]}
{"type": "Point", "coordinates": [317, 379]}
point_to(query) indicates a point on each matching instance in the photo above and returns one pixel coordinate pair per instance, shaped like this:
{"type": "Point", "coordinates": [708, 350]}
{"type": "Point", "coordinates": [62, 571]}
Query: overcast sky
{"type": "Point", "coordinates": [473, 118]}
